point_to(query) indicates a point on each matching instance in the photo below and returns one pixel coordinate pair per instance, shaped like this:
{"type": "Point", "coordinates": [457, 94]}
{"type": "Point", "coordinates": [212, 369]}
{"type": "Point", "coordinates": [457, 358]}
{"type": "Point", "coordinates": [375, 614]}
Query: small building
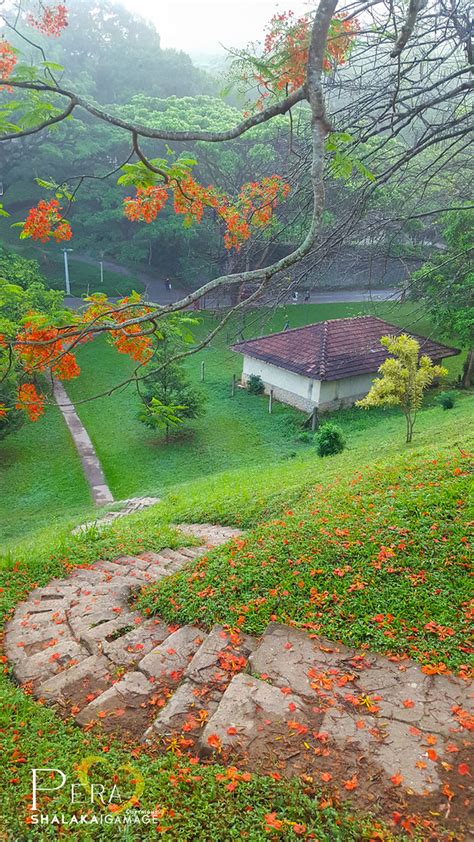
{"type": "Point", "coordinates": [328, 365]}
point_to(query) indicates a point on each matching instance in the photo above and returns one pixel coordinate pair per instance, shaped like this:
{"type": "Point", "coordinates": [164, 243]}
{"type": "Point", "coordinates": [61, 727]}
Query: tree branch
{"type": "Point", "coordinates": [162, 134]}
{"type": "Point", "coordinates": [414, 7]}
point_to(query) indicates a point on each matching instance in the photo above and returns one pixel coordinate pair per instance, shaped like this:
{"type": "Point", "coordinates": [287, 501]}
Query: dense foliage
{"type": "Point", "coordinates": [330, 439]}
{"type": "Point", "coordinates": [404, 377]}
{"type": "Point", "coordinates": [446, 284]}
{"type": "Point", "coordinates": [21, 295]}
{"type": "Point", "coordinates": [168, 397]}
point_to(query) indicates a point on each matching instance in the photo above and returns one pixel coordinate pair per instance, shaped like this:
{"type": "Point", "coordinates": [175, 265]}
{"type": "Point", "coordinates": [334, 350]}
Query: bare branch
{"type": "Point", "coordinates": [414, 7]}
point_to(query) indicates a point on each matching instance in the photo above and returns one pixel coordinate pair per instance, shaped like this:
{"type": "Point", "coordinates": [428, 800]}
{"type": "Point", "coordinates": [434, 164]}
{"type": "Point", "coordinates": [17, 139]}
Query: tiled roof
{"type": "Point", "coordinates": [335, 348]}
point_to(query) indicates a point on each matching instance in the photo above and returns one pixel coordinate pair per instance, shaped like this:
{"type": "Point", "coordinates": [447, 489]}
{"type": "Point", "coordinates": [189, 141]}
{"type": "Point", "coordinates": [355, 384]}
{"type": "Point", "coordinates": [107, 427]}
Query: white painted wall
{"type": "Point", "coordinates": [303, 392]}
{"type": "Point", "coordinates": [288, 387]}
{"type": "Point", "coordinates": [347, 389]}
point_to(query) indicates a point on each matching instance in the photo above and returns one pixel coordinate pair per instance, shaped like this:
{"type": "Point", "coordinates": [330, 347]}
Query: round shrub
{"type": "Point", "coordinates": [255, 385]}
{"type": "Point", "coordinates": [330, 439]}
{"type": "Point", "coordinates": [446, 400]}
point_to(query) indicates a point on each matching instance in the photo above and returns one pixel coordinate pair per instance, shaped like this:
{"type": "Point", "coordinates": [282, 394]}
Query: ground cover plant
{"type": "Point", "coordinates": [376, 558]}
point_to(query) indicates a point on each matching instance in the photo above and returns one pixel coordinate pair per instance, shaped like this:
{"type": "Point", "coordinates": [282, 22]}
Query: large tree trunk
{"type": "Point", "coordinates": [468, 369]}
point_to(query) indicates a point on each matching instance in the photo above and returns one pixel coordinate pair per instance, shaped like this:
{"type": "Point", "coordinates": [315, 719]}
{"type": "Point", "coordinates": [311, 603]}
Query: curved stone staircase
{"type": "Point", "coordinates": [290, 701]}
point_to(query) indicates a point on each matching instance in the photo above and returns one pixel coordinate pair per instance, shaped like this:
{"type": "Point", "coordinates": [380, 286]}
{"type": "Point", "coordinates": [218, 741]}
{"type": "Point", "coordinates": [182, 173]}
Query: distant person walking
{"type": "Point", "coordinates": [306, 296]}
{"type": "Point", "coordinates": [295, 297]}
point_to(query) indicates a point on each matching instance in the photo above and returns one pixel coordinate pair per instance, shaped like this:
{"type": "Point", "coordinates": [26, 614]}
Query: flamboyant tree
{"type": "Point", "coordinates": [298, 65]}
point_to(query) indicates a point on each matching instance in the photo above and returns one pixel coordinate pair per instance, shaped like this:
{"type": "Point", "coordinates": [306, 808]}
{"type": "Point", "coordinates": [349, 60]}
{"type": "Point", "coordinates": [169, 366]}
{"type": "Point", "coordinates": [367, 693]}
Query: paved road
{"type": "Point", "coordinates": [158, 294]}
{"type": "Point", "coordinates": [155, 287]}
{"type": "Point", "coordinates": [332, 297]}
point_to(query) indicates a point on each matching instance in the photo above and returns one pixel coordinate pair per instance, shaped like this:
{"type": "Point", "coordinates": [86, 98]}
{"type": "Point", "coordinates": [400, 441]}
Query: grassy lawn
{"type": "Point", "coordinates": [234, 432]}
{"type": "Point", "coordinates": [236, 438]}
{"type": "Point", "coordinates": [41, 478]}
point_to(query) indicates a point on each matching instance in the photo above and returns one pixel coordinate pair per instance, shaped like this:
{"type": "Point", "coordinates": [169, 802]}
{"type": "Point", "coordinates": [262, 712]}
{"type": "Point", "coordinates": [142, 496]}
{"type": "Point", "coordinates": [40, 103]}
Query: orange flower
{"type": "Point", "coordinates": [8, 59]}
{"type": "Point", "coordinates": [272, 822]}
{"type": "Point", "coordinates": [45, 221]}
{"type": "Point", "coordinates": [215, 742]}
{"type": "Point", "coordinates": [52, 22]}
{"type": "Point", "coordinates": [30, 401]}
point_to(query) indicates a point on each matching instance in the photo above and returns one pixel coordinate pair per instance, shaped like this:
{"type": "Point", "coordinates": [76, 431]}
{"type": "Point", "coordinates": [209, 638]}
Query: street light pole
{"type": "Point", "coordinates": [102, 271]}
{"type": "Point", "coordinates": [66, 271]}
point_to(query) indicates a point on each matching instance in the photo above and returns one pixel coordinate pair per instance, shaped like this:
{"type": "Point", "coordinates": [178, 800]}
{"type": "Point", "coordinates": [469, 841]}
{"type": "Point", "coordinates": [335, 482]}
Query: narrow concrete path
{"type": "Point", "coordinates": [101, 492]}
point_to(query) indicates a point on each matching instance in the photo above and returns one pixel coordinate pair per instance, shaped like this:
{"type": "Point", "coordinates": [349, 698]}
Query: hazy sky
{"type": "Point", "coordinates": [199, 25]}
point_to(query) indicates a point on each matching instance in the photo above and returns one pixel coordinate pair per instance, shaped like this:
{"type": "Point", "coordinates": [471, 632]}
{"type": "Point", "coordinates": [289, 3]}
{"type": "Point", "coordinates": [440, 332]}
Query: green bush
{"type": "Point", "coordinates": [255, 385]}
{"type": "Point", "coordinates": [330, 439]}
{"type": "Point", "coordinates": [446, 400]}
{"type": "Point", "coordinates": [305, 437]}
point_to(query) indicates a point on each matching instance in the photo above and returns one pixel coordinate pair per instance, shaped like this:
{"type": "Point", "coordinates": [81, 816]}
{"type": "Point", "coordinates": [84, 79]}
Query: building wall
{"type": "Point", "coordinates": [288, 387]}
{"type": "Point", "coordinates": [305, 393]}
{"type": "Point", "coordinates": [335, 394]}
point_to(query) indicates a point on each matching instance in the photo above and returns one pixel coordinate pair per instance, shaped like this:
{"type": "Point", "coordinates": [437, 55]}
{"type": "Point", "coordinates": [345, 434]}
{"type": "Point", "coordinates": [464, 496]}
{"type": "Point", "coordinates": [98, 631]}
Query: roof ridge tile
{"type": "Point", "coordinates": [324, 341]}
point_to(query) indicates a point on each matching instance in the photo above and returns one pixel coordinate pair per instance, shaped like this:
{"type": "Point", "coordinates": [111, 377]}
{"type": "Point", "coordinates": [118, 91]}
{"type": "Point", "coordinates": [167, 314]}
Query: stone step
{"type": "Point", "coordinates": [186, 712]}
{"type": "Point", "coordinates": [251, 715]}
{"type": "Point", "coordinates": [96, 636]}
{"type": "Point", "coordinates": [124, 707]}
{"type": "Point", "coordinates": [210, 534]}
{"type": "Point", "coordinates": [219, 657]}
{"type": "Point", "coordinates": [172, 560]}
{"type": "Point", "coordinates": [131, 647]}
{"type": "Point", "coordinates": [77, 686]}
{"type": "Point", "coordinates": [51, 660]}
{"type": "Point", "coordinates": [168, 661]}
{"type": "Point", "coordinates": [312, 666]}
{"type": "Point", "coordinates": [130, 704]}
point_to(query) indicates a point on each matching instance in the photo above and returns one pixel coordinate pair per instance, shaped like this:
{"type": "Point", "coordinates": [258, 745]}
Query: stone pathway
{"type": "Point", "coordinates": [290, 702]}
{"type": "Point", "coordinates": [125, 507]}
{"type": "Point", "coordinates": [101, 493]}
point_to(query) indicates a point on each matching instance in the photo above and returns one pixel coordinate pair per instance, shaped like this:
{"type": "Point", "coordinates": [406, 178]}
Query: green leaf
{"type": "Point", "coordinates": [52, 65]}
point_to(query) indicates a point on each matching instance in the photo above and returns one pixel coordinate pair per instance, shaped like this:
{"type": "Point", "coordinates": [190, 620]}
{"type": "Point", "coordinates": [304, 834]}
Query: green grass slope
{"type": "Point", "coordinates": [41, 478]}
{"type": "Point", "coordinates": [233, 433]}
{"type": "Point", "coordinates": [367, 546]}
{"type": "Point", "coordinates": [376, 557]}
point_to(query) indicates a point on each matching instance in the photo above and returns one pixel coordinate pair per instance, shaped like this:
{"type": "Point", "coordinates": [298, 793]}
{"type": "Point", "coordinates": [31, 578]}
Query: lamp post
{"type": "Point", "coordinates": [66, 271]}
